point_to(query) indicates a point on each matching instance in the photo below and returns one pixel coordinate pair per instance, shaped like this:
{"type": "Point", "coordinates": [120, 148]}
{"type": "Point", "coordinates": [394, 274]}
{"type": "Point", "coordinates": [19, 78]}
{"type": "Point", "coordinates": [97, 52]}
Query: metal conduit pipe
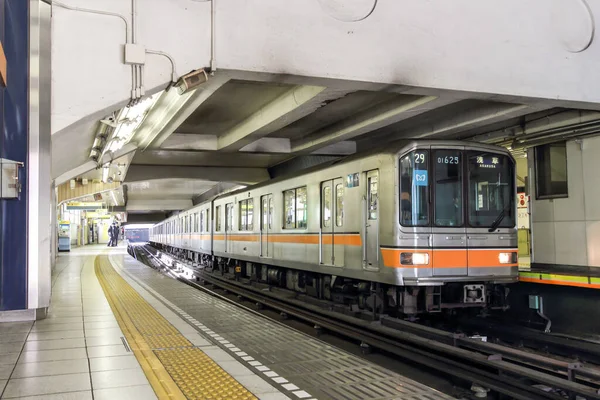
{"type": "Point", "coordinates": [173, 67]}
{"type": "Point", "coordinates": [127, 34]}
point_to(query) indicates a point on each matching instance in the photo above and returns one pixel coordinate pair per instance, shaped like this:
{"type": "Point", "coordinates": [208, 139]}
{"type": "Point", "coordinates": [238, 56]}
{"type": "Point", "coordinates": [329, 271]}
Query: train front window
{"type": "Point", "coordinates": [491, 190]}
{"type": "Point", "coordinates": [414, 189]}
{"type": "Point", "coordinates": [448, 188]}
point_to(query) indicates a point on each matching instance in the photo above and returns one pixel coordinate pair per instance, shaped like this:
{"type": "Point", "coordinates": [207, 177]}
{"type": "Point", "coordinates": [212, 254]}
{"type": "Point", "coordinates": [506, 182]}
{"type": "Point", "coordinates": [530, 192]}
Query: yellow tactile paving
{"type": "Point", "coordinates": [175, 368]}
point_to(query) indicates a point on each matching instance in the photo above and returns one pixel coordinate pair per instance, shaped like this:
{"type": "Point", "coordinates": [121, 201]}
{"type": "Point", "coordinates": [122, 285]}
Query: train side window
{"type": "Point", "coordinates": [339, 204]}
{"type": "Point", "coordinates": [289, 205]}
{"type": "Point", "coordinates": [294, 205]}
{"type": "Point", "coordinates": [246, 213]}
{"type": "Point", "coordinates": [229, 217]}
{"type": "Point", "coordinates": [271, 210]}
{"type": "Point", "coordinates": [218, 218]}
{"type": "Point", "coordinates": [201, 222]}
{"type": "Point", "coordinates": [326, 206]}
{"type": "Point", "coordinates": [373, 187]}
{"type": "Point", "coordinates": [414, 189]}
{"type": "Point", "coordinates": [448, 188]}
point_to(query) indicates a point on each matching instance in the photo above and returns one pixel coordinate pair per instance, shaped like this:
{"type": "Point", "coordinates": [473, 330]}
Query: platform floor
{"type": "Point", "coordinates": [120, 330]}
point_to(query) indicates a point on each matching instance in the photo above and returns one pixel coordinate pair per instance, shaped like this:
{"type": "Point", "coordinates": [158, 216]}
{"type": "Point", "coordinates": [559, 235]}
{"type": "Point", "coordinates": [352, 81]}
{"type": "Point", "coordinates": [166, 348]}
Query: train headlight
{"type": "Point", "coordinates": [507, 258]}
{"type": "Point", "coordinates": [414, 258]}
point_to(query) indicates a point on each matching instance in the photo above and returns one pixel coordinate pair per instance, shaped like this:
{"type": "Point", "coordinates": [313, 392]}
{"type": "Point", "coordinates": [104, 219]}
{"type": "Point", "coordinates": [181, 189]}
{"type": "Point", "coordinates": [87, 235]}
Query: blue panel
{"type": "Point", "coordinates": [420, 177]}
{"type": "Point", "coordinates": [14, 28]}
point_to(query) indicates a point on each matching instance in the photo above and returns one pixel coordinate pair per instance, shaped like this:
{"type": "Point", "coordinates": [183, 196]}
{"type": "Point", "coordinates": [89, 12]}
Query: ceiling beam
{"type": "Point", "coordinates": [92, 165]}
{"type": "Point", "coordinates": [172, 109]}
{"type": "Point", "coordinates": [291, 106]}
{"type": "Point", "coordinates": [190, 141]}
{"type": "Point", "coordinates": [371, 119]}
{"type": "Point", "coordinates": [241, 175]}
{"type": "Point", "coordinates": [137, 205]}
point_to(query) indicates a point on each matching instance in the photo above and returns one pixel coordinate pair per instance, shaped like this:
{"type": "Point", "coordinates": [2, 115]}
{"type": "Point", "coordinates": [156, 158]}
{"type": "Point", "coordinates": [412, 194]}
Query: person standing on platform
{"type": "Point", "coordinates": [115, 234]}
{"type": "Point", "coordinates": [110, 236]}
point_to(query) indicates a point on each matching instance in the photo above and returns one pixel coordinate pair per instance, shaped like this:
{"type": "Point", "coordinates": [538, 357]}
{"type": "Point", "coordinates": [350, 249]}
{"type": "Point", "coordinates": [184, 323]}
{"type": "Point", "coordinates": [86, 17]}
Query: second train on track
{"type": "Point", "coordinates": [423, 226]}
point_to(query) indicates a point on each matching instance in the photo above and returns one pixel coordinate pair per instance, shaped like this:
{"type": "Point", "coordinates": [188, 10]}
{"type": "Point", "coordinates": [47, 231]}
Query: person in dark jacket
{"type": "Point", "coordinates": [115, 234]}
{"type": "Point", "coordinates": [110, 236]}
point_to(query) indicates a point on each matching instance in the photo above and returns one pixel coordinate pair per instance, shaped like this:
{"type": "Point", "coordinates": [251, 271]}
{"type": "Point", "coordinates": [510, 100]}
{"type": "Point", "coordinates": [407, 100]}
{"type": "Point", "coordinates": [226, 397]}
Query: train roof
{"type": "Point", "coordinates": [391, 148]}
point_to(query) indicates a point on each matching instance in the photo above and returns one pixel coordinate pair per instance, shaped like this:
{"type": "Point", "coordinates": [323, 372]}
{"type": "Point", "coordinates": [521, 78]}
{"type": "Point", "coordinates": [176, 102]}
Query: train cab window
{"type": "Point", "coordinates": [218, 218]}
{"type": "Point", "coordinates": [414, 189]}
{"type": "Point", "coordinates": [339, 204]}
{"type": "Point", "coordinates": [294, 205]}
{"type": "Point", "coordinates": [326, 206]}
{"type": "Point", "coordinates": [246, 214]}
{"type": "Point", "coordinates": [491, 190]}
{"type": "Point", "coordinates": [448, 188]}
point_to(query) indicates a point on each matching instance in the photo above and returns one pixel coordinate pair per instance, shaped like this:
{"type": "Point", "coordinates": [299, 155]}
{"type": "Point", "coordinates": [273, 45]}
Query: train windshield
{"type": "Point", "coordinates": [488, 177]}
{"type": "Point", "coordinates": [491, 190]}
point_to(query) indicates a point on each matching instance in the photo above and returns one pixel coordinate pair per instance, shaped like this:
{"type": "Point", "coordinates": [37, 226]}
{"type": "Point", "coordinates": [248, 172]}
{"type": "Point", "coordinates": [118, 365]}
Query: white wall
{"type": "Point", "coordinates": [567, 231]}
{"type": "Point", "coordinates": [498, 46]}
{"type": "Point", "coordinates": [88, 73]}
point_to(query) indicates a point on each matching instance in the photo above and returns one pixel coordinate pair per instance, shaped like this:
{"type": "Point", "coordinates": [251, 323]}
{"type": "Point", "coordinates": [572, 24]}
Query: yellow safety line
{"type": "Point", "coordinates": [160, 380]}
{"type": "Point", "coordinates": [174, 367]}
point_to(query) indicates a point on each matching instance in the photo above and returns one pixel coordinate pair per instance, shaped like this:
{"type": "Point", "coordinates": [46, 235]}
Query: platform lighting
{"type": "Point", "coordinates": [105, 171]}
{"type": "Point", "coordinates": [112, 194]}
{"type": "Point", "coordinates": [129, 120]}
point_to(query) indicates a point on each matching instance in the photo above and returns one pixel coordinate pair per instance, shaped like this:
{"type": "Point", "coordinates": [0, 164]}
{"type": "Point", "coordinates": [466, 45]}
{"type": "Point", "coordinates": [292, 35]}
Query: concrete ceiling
{"type": "Point", "coordinates": [241, 129]}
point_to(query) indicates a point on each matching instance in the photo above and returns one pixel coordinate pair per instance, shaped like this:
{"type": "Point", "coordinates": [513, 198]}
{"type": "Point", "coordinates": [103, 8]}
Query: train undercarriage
{"type": "Point", "coordinates": [451, 297]}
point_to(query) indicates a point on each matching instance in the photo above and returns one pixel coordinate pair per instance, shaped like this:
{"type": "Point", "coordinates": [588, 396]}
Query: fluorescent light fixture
{"type": "Point", "coordinates": [112, 194]}
{"type": "Point", "coordinates": [129, 120]}
{"type": "Point", "coordinates": [105, 170]}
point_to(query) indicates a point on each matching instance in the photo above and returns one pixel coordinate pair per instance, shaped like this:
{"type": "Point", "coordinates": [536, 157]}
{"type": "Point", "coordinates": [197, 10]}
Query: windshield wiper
{"type": "Point", "coordinates": [499, 218]}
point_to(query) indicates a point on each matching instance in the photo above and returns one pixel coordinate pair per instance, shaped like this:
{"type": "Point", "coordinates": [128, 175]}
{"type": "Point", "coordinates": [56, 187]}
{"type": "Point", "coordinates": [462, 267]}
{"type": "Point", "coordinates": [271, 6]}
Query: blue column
{"type": "Point", "coordinates": [14, 117]}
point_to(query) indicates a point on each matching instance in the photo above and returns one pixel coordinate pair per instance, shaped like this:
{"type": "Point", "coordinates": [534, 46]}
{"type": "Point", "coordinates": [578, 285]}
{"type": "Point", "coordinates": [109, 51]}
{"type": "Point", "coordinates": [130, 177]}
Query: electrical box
{"type": "Point", "coordinates": [10, 182]}
{"type": "Point", "coordinates": [135, 54]}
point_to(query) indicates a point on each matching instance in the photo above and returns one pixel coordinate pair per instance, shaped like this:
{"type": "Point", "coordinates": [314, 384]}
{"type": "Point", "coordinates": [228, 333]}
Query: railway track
{"type": "Point", "coordinates": [505, 371]}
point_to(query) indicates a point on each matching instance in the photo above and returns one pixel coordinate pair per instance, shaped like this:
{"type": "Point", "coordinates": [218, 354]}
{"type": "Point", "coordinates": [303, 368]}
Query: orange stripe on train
{"type": "Point", "coordinates": [449, 258]}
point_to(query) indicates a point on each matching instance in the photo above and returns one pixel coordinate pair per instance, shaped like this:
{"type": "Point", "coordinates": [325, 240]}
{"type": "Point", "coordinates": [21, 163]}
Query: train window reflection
{"type": "Point", "coordinates": [246, 211]}
{"type": "Point", "coordinates": [229, 217]}
{"type": "Point", "coordinates": [448, 188]}
{"type": "Point", "coordinates": [339, 204]}
{"type": "Point", "coordinates": [373, 187]}
{"type": "Point", "coordinates": [218, 218]}
{"type": "Point", "coordinates": [326, 206]}
{"type": "Point", "coordinates": [491, 190]}
{"type": "Point", "coordinates": [414, 189]}
{"type": "Point", "coordinates": [294, 205]}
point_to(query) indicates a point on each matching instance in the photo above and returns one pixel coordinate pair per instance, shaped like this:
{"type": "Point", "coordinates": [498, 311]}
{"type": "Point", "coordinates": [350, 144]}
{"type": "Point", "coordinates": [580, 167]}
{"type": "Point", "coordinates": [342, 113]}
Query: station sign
{"type": "Point", "coordinates": [84, 206]}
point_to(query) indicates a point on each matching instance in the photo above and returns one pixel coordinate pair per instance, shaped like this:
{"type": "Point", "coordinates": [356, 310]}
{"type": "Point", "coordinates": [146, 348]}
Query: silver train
{"type": "Point", "coordinates": [420, 227]}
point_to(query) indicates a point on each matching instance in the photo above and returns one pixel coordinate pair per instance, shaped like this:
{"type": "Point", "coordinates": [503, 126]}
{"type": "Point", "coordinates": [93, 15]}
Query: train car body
{"type": "Point", "coordinates": [421, 227]}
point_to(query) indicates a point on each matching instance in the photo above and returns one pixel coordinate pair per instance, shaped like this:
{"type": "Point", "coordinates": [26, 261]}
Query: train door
{"type": "Point", "coordinates": [331, 252]}
{"type": "Point", "coordinates": [266, 226]}
{"type": "Point", "coordinates": [228, 227]}
{"type": "Point", "coordinates": [449, 255]}
{"type": "Point", "coordinates": [371, 221]}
